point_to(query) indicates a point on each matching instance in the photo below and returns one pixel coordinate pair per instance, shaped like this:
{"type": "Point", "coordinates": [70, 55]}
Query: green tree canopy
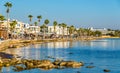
{"type": "Point", "coordinates": [35, 23]}
{"type": "Point", "coordinates": [2, 18]}
{"type": "Point", "coordinates": [55, 24]}
{"type": "Point", "coordinates": [12, 25]}
{"type": "Point", "coordinates": [39, 17]}
{"type": "Point", "coordinates": [46, 21]}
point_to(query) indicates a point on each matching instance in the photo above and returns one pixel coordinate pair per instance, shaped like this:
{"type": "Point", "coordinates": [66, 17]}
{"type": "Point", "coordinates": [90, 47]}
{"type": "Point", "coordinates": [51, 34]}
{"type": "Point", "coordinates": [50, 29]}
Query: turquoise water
{"type": "Point", "coordinates": [103, 54]}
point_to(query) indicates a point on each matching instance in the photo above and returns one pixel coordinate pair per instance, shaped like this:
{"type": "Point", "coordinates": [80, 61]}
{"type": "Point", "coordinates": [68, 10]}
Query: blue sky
{"type": "Point", "coordinates": [80, 13]}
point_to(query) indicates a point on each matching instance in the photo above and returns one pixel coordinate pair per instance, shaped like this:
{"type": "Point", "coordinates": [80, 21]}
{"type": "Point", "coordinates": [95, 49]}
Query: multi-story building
{"type": "Point", "coordinates": [104, 31]}
{"type": "Point", "coordinates": [3, 29]}
{"type": "Point", "coordinates": [58, 30]}
{"type": "Point", "coordinates": [33, 29]}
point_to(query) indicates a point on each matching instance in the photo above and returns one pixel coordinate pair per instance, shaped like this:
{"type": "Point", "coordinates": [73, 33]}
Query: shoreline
{"type": "Point", "coordinates": [18, 43]}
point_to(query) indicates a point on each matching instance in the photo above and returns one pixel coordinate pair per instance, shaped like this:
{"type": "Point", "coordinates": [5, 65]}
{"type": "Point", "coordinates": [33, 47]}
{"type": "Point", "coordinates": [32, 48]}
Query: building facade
{"type": "Point", "coordinates": [104, 31]}
{"type": "Point", "coordinates": [58, 30]}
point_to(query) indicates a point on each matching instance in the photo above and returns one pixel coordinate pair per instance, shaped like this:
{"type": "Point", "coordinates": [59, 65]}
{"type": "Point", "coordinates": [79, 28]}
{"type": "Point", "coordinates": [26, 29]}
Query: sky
{"type": "Point", "coordinates": [80, 13]}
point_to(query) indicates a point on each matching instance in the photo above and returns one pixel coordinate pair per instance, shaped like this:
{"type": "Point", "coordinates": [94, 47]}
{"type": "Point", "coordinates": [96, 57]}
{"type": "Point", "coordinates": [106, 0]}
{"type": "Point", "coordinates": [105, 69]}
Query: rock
{"type": "Point", "coordinates": [13, 61]}
{"type": "Point", "coordinates": [46, 61]}
{"type": "Point", "coordinates": [90, 66]}
{"type": "Point", "coordinates": [82, 64]}
{"type": "Point", "coordinates": [36, 62]}
{"type": "Point", "coordinates": [5, 55]}
{"type": "Point", "coordinates": [70, 53]}
{"type": "Point", "coordinates": [78, 71]}
{"type": "Point", "coordinates": [1, 65]}
{"type": "Point", "coordinates": [29, 65]}
{"type": "Point", "coordinates": [46, 66]}
{"type": "Point", "coordinates": [1, 60]}
{"type": "Point", "coordinates": [6, 65]}
{"type": "Point", "coordinates": [51, 66]}
{"type": "Point", "coordinates": [74, 64]}
{"type": "Point", "coordinates": [106, 70]}
{"type": "Point", "coordinates": [18, 68]}
{"type": "Point", "coordinates": [63, 63]}
{"type": "Point", "coordinates": [42, 64]}
{"type": "Point", "coordinates": [57, 62]}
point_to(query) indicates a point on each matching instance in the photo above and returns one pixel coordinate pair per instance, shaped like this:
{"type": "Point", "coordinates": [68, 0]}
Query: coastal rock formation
{"type": "Point", "coordinates": [47, 64]}
{"type": "Point", "coordinates": [26, 64]}
{"type": "Point", "coordinates": [106, 70]}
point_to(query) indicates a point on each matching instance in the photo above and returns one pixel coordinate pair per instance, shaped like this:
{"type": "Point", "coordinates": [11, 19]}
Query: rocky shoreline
{"type": "Point", "coordinates": [27, 64]}
{"type": "Point", "coordinates": [18, 64]}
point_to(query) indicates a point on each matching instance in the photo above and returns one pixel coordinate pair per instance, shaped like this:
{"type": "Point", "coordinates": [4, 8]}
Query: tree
{"type": "Point", "coordinates": [55, 24]}
{"type": "Point", "coordinates": [30, 18]}
{"type": "Point", "coordinates": [59, 27]}
{"type": "Point", "coordinates": [63, 26]}
{"type": "Point", "coordinates": [68, 30]}
{"type": "Point", "coordinates": [2, 18]}
{"type": "Point", "coordinates": [39, 17]}
{"type": "Point", "coordinates": [8, 5]}
{"type": "Point", "coordinates": [81, 31]}
{"type": "Point", "coordinates": [35, 23]}
{"type": "Point", "coordinates": [71, 30]}
{"type": "Point", "coordinates": [98, 33]}
{"type": "Point", "coordinates": [12, 25]}
{"type": "Point", "coordinates": [88, 31]}
{"type": "Point", "coordinates": [46, 22]}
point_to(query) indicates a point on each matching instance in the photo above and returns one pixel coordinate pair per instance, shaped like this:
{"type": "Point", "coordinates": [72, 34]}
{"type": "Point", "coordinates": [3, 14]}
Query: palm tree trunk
{"type": "Point", "coordinates": [63, 32]}
{"type": "Point", "coordinates": [44, 34]}
{"type": "Point", "coordinates": [7, 25]}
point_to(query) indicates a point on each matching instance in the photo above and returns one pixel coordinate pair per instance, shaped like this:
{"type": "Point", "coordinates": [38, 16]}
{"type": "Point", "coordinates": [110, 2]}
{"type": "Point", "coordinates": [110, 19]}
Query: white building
{"type": "Point", "coordinates": [19, 28]}
{"type": "Point", "coordinates": [58, 30]}
{"type": "Point", "coordinates": [102, 30]}
{"type": "Point", "coordinates": [34, 29]}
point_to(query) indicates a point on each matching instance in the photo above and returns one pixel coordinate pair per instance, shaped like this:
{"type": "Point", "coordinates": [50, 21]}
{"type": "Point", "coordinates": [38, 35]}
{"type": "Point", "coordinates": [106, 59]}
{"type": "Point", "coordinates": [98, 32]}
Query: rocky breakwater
{"type": "Point", "coordinates": [46, 64]}
{"type": "Point", "coordinates": [26, 64]}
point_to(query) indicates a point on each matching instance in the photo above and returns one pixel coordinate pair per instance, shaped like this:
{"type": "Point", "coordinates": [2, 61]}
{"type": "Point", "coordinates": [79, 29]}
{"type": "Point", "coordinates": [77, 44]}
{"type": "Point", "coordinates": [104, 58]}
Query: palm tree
{"type": "Point", "coordinates": [8, 5]}
{"type": "Point", "coordinates": [55, 24]}
{"type": "Point", "coordinates": [35, 28]}
{"type": "Point", "coordinates": [12, 25]}
{"type": "Point", "coordinates": [68, 30]}
{"type": "Point", "coordinates": [35, 23]}
{"type": "Point", "coordinates": [59, 28]}
{"type": "Point", "coordinates": [30, 18]}
{"type": "Point", "coordinates": [81, 32]}
{"type": "Point", "coordinates": [46, 22]}
{"type": "Point", "coordinates": [71, 30]}
{"type": "Point", "coordinates": [63, 26]}
{"type": "Point", "coordinates": [39, 17]}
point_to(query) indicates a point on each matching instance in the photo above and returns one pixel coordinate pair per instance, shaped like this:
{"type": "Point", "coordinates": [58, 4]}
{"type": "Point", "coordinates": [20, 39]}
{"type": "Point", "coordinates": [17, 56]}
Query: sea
{"type": "Point", "coordinates": [100, 54]}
